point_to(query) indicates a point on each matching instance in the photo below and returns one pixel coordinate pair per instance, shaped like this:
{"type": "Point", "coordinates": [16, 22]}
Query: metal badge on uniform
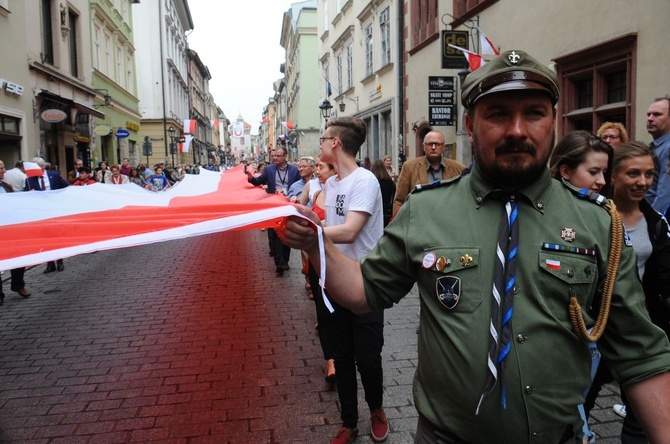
{"type": "Point", "coordinates": [429, 260]}
{"type": "Point", "coordinates": [448, 289]}
{"type": "Point", "coordinates": [441, 263]}
{"type": "Point", "coordinates": [466, 259]}
{"type": "Point", "coordinates": [568, 234]}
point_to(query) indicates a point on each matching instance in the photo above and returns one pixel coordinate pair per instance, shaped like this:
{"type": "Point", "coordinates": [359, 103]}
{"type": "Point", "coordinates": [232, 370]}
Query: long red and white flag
{"type": "Point", "coordinates": [40, 226]}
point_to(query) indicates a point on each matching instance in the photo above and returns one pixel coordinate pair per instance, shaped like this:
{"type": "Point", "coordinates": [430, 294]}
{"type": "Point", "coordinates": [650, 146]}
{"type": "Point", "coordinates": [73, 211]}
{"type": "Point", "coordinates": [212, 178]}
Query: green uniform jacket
{"type": "Point", "coordinates": [548, 367]}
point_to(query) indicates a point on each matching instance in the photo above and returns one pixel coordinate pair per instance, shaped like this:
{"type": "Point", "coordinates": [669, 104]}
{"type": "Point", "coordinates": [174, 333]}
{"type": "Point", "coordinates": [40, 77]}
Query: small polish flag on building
{"type": "Point", "coordinates": [553, 265]}
{"type": "Point", "coordinates": [32, 169]}
{"type": "Point", "coordinates": [487, 45]}
{"type": "Point", "coordinates": [189, 126]}
{"type": "Point", "coordinates": [474, 60]}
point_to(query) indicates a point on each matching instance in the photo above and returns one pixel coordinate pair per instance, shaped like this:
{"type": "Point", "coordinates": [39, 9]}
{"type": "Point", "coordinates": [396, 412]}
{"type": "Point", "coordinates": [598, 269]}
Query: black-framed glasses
{"type": "Point", "coordinates": [610, 137]}
{"type": "Point", "coordinates": [321, 139]}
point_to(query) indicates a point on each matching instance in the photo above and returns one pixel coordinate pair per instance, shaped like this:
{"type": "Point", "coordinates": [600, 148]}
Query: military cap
{"type": "Point", "coordinates": [511, 70]}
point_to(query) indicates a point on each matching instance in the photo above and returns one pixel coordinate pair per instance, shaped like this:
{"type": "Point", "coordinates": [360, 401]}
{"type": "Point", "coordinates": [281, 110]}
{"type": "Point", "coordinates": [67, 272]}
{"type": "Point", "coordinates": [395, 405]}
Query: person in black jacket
{"type": "Point", "coordinates": [647, 230]}
{"type": "Point", "coordinates": [387, 186]}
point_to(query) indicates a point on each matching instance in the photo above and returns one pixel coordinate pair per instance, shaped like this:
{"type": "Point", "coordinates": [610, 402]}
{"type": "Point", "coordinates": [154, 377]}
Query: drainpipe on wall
{"type": "Point", "coordinates": [401, 88]}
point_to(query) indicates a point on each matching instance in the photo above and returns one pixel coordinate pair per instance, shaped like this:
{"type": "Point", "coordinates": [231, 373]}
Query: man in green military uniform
{"type": "Point", "coordinates": [506, 363]}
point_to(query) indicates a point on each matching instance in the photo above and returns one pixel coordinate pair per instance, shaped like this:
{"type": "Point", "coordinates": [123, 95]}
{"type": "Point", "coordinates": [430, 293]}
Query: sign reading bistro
{"type": "Point", "coordinates": [53, 115]}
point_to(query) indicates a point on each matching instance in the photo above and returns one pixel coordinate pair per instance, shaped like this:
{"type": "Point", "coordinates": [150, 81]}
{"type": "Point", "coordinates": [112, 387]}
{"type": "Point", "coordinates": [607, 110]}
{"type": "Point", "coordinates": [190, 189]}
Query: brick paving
{"type": "Point", "coordinates": [191, 341]}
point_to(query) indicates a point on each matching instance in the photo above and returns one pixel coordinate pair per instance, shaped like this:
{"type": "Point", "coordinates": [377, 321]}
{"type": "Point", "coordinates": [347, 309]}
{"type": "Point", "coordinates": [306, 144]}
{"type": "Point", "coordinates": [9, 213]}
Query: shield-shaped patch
{"type": "Point", "coordinates": [448, 290]}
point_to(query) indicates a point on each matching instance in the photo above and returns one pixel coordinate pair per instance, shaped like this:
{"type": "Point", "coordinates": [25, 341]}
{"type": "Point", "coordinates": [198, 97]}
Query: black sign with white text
{"type": "Point", "coordinates": [441, 100]}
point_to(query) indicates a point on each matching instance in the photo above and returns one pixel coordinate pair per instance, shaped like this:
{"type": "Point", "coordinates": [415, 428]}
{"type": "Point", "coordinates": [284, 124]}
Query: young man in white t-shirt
{"type": "Point", "coordinates": [354, 221]}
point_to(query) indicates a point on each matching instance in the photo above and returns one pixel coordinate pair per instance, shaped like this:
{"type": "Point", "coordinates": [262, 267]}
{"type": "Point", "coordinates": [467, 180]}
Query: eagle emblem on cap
{"type": "Point", "coordinates": [514, 57]}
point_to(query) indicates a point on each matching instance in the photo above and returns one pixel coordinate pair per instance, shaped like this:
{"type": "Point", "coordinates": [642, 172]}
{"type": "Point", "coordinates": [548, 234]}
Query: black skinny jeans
{"type": "Point", "coordinates": [356, 342]}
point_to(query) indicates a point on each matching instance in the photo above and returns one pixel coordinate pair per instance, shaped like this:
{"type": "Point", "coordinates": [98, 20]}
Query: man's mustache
{"type": "Point", "coordinates": [515, 147]}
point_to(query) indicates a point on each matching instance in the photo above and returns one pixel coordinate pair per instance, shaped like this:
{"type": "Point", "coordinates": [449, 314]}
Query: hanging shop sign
{"type": "Point", "coordinates": [121, 133]}
{"type": "Point", "coordinates": [53, 115]}
{"type": "Point", "coordinates": [102, 130]}
{"type": "Point", "coordinates": [132, 126]}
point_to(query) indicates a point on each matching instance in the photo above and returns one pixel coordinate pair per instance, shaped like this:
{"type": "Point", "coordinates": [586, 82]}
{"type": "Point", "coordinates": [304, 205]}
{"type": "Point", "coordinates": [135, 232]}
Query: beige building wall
{"type": "Point", "coordinates": [15, 92]}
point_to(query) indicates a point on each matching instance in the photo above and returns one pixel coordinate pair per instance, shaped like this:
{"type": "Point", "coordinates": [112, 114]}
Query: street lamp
{"type": "Point", "coordinates": [173, 146]}
{"type": "Point", "coordinates": [343, 105]}
{"type": "Point", "coordinates": [325, 108]}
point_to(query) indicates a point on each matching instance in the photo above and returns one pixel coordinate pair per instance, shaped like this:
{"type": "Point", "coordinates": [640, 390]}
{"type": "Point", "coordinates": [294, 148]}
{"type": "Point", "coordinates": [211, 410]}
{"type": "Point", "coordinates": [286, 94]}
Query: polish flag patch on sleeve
{"type": "Point", "coordinates": [553, 265]}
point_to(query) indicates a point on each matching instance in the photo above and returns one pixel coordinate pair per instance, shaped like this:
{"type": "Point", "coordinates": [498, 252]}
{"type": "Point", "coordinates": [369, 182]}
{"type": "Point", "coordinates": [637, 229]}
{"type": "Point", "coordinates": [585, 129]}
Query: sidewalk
{"type": "Point", "coordinates": [191, 341]}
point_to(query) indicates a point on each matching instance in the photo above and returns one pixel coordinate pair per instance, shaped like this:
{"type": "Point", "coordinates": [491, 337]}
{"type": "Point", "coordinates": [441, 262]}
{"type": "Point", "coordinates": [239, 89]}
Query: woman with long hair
{"type": "Point", "coordinates": [314, 197]}
{"type": "Point", "coordinates": [632, 176]}
{"type": "Point", "coordinates": [585, 161]}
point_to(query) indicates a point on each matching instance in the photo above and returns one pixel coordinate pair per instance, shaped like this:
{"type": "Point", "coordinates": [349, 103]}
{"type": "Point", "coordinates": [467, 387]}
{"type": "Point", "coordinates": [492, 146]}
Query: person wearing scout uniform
{"type": "Point", "coordinates": [509, 365]}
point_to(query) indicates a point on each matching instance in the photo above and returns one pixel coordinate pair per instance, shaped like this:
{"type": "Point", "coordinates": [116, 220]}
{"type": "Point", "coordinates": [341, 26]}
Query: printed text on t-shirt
{"type": "Point", "coordinates": [340, 204]}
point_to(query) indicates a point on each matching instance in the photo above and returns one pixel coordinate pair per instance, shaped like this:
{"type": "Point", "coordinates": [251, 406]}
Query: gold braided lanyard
{"type": "Point", "coordinates": [576, 314]}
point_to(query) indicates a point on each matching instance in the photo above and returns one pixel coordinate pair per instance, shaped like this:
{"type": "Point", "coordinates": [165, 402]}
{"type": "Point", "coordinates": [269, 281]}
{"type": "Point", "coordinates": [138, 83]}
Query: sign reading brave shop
{"type": "Point", "coordinates": [441, 99]}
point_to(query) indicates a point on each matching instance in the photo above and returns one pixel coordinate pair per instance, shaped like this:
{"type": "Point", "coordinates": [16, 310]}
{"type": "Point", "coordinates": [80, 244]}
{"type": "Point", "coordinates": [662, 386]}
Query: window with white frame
{"type": "Point", "coordinates": [325, 15]}
{"type": "Point", "coordinates": [119, 77]}
{"type": "Point", "coordinates": [338, 62]}
{"type": "Point", "coordinates": [385, 35]}
{"type": "Point", "coordinates": [96, 46]}
{"type": "Point", "coordinates": [107, 62]}
{"type": "Point", "coordinates": [73, 20]}
{"type": "Point", "coordinates": [326, 77]}
{"type": "Point", "coordinates": [369, 53]}
{"type": "Point", "coordinates": [350, 65]}
{"type": "Point", "coordinates": [130, 80]}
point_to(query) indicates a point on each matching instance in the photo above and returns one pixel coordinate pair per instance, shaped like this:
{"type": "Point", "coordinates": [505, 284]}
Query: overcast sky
{"type": "Point", "coordinates": [239, 42]}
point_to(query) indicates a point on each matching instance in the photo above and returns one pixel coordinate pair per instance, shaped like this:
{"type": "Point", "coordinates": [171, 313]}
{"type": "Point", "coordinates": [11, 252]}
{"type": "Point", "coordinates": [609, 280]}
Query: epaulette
{"type": "Point", "coordinates": [586, 194]}
{"type": "Point", "coordinates": [438, 183]}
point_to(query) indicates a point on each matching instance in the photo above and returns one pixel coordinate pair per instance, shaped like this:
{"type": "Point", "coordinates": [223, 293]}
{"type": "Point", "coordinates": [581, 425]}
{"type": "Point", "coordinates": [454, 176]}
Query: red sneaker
{"type": "Point", "coordinates": [344, 436]}
{"type": "Point", "coordinates": [379, 428]}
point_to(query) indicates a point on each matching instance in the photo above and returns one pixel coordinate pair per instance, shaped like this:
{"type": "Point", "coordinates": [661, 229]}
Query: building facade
{"type": "Point", "coordinates": [200, 103]}
{"type": "Point", "coordinates": [116, 136]}
{"type": "Point", "coordinates": [18, 118]}
{"type": "Point", "coordinates": [162, 81]}
{"type": "Point", "coordinates": [300, 124]}
{"type": "Point", "coordinates": [59, 62]}
{"type": "Point", "coordinates": [359, 66]}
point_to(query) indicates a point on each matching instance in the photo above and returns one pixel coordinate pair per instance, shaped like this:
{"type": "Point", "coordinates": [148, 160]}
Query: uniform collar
{"type": "Point", "coordinates": [536, 193]}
